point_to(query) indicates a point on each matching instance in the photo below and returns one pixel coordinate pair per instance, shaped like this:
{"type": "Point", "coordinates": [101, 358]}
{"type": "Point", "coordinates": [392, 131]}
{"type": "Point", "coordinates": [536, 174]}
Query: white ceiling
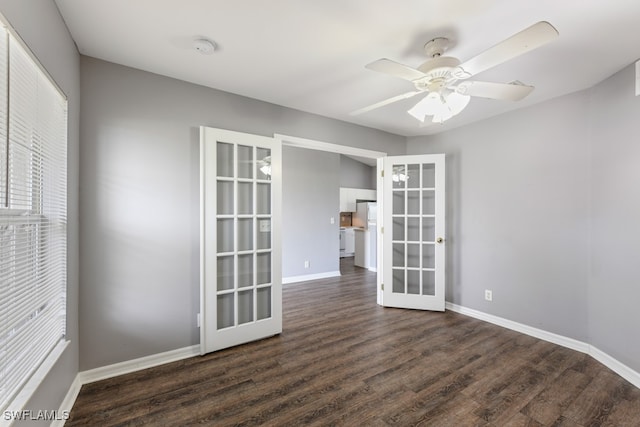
{"type": "Point", "coordinates": [310, 54]}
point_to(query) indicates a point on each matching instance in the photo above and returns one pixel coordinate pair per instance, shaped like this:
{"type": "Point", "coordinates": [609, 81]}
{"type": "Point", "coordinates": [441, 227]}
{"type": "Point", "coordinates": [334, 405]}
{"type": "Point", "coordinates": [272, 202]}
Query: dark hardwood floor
{"type": "Point", "coordinates": [343, 360]}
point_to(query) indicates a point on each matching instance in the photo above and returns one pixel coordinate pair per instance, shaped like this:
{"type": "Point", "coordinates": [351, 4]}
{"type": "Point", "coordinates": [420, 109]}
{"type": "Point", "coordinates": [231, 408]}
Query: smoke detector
{"type": "Point", "coordinates": [204, 46]}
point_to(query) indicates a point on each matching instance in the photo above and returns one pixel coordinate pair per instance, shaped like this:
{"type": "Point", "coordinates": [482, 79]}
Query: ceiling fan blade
{"type": "Point", "coordinates": [395, 69]}
{"type": "Point", "coordinates": [385, 102]}
{"type": "Point", "coordinates": [503, 91]}
{"type": "Point", "coordinates": [522, 42]}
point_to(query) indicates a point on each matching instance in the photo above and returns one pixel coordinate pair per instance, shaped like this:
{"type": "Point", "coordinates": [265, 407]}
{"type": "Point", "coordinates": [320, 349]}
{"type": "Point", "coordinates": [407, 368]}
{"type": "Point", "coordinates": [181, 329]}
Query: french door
{"type": "Point", "coordinates": [240, 272]}
{"type": "Point", "coordinates": [413, 248]}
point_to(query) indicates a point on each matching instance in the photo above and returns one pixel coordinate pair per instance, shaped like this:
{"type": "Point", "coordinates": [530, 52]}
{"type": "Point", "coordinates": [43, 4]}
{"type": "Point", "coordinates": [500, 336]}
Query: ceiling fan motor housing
{"type": "Point", "coordinates": [437, 73]}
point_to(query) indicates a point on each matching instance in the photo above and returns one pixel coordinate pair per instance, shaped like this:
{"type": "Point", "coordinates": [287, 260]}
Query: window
{"type": "Point", "coordinates": [33, 220]}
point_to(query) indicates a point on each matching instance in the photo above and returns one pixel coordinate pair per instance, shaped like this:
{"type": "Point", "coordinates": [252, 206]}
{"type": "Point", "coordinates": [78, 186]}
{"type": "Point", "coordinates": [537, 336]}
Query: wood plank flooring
{"type": "Point", "coordinates": [343, 360]}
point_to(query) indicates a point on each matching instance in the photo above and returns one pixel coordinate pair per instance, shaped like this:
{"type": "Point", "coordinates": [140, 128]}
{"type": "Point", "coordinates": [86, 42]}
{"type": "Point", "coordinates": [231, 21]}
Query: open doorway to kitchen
{"type": "Point", "coordinates": [358, 205]}
{"type": "Point", "coordinates": [307, 173]}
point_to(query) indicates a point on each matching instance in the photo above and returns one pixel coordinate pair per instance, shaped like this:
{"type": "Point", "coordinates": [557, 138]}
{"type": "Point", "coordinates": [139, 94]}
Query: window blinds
{"type": "Point", "coordinates": [33, 219]}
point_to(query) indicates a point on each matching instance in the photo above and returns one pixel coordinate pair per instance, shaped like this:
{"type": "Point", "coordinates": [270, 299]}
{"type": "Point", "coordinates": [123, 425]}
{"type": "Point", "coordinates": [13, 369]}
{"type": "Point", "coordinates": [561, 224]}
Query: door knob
{"type": "Point", "coordinates": [439, 240]}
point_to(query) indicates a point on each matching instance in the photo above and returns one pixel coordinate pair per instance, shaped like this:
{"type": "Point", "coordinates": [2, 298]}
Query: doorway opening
{"type": "Point", "coordinates": [365, 156]}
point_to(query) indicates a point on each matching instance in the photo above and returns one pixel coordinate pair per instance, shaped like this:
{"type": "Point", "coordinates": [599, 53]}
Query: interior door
{"type": "Point", "coordinates": [413, 232]}
{"type": "Point", "coordinates": [241, 278]}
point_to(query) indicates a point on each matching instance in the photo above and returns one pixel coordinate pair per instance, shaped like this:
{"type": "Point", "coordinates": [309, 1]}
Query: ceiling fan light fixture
{"type": "Point", "coordinates": [438, 77]}
{"type": "Point", "coordinates": [441, 106]}
{"type": "Point", "coordinates": [442, 116]}
{"type": "Point", "coordinates": [457, 102]}
{"type": "Point", "coordinates": [427, 106]}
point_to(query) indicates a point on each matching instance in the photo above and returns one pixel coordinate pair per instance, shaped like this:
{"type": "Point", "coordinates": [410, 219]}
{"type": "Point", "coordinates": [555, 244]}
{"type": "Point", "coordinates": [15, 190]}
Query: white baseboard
{"type": "Point", "coordinates": [616, 366]}
{"type": "Point", "coordinates": [134, 365]}
{"type": "Point", "coordinates": [69, 400]}
{"type": "Point", "coordinates": [110, 371]}
{"type": "Point", "coordinates": [520, 327]}
{"type": "Point", "coordinates": [307, 277]}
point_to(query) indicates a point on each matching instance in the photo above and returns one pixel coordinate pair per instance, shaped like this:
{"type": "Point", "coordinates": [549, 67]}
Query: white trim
{"type": "Point", "coordinates": [307, 277]}
{"type": "Point", "coordinates": [134, 365]}
{"type": "Point", "coordinates": [69, 401]}
{"type": "Point", "coordinates": [520, 327]}
{"type": "Point", "coordinates": [380, 236]}
{"type": "Point", "coordinates": [638, 78]}
{"type": "Point", "coordinates": [616, 366]}
{"type": "Point", "coordinates": [202, 314]}
{"type": "Point", "coordinates": [312, 144]}
{"type": "Point", "coordinates": [110, 371]}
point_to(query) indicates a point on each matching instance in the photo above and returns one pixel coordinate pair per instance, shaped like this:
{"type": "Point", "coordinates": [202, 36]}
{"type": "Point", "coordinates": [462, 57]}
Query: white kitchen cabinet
{"type": "Point", "coordinates": [366, 194]}
{"type": "Point", "coordinates": [349, 197]}
{"type": "Point", "coordinates": [349, 241]}
{"type": "Point", "coordinates": [347, 200]}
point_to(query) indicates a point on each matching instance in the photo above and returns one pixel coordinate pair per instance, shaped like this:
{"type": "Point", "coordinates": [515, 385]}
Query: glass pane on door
{"type": "Point", "coordinates": [225, 273]}
{"type": "Point", "coordinates": [263, 199]}
{"type": "Point", "coordinates": [264, 268]}
{"type": "Point", "coordinates": [244, 240]}
{"type": "Point", "coordinates": [225, 311]}
{"type": "Point", "coordinates": [413, 208]}
{"type": "Point", "coordinates": [225, 235]}
{"type": "Point", "coordinates": [225, 197]}
{"type": "Point", "coordinates": [429, 282]}
{"type": "Point", "coordinates": [245, 162]}
{"type": "Point", "coordinates": [264, 303]}
{"type": "Point", "coordinates": [245, 306]}
{"type": "Point", "coordinates": [263, 240]}
{"type": "Point", "coordinates": [263, 163]}
{"type": "Point", "coordinates": [224, 159]}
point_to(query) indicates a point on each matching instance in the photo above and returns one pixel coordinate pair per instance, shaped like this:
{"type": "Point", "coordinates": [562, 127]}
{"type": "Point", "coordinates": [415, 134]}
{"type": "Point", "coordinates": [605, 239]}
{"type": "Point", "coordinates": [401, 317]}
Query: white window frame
{"type": "Point", "coordinates": [33, 222]}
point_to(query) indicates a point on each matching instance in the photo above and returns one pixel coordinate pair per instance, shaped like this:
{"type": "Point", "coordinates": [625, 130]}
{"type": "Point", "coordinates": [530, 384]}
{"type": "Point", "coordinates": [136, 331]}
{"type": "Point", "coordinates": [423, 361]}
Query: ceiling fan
{"type": "Point", "coordinates": [440, 76]}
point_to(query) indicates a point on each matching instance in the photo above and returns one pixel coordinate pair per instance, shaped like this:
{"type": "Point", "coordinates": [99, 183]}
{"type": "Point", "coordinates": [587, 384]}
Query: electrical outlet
{"type": "Point", "coordinates": [488, 295]}
{"type": "Point", "coordinates": [306, 264]}
{"type": "Point", "coordinates": [332, 220]}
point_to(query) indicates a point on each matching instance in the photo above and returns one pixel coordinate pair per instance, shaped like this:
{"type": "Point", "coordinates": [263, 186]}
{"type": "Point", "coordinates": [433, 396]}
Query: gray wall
{"type": "Point", "coordinates": [614, 285]}
{"type": "Point", "coordinates": [355, 174]}
{"type": "Point", "coordinates": [41, 27]}
{"type": "Point", "coordinates": [543, 207]}
{"type": "Point", "coordinates": [310, 197]}
{"type": "Point", "coordinates": [517, 201]}
{"type": "Point", "coordinates": [140, 201]}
